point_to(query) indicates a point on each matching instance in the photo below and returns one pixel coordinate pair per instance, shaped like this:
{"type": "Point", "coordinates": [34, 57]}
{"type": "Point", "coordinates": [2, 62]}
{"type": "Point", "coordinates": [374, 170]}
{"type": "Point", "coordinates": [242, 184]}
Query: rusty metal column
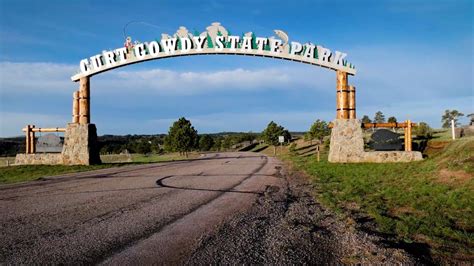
{"type": "Point", "coordinates": [75, 107]}
{"type": "Point", "coordinates": [352, 102]}
{"type": "Point", "coordinates": [342, 100]}
{"type": "Point", "coordinates": [84, 101]}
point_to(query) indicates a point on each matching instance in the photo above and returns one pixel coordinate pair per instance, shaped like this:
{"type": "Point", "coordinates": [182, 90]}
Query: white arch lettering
{"type": "Point", "coordinates": [216, 41]}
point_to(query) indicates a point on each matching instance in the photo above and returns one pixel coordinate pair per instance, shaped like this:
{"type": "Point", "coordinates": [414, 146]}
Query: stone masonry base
{"type": "Point", "coordinates": [347, 146]}
{"type": "Point", "coordinates": [80, 148]}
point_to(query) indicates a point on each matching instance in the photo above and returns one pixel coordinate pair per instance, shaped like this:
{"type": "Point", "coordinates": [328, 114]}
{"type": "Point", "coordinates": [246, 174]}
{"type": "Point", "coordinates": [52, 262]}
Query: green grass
{"type": "Point", "coordinates": [442, 134]}
{"type": "Point", "coordinates": [22, 173]}
{"type": "Point", "coordinates": [409, 200]}
{"type": "Point", "coordinates": [259, 147]}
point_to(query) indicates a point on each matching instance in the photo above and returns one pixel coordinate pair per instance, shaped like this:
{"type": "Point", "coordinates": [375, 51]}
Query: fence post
{"type": "Point", "coordinates": [408, 142]}
{"type": "Point", "coordinates": [27, 134]}
{"type": "Point", "coordinates": [32, 140]}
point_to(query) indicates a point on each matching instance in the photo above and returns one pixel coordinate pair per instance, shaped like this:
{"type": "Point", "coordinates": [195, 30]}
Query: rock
{"type": "Point", "coordinates": [347, 146]}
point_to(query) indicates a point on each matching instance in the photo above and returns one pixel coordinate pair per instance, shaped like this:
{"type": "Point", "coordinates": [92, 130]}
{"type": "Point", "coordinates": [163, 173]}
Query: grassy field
{"type": "Point", "coordinates": [14, 174]}
{"type": "Point", "coordinates": [22, 173]}
{"type": "Point", "coordinates": [442, 134]}
{"type": "Point", "coordinates": [425, 202]}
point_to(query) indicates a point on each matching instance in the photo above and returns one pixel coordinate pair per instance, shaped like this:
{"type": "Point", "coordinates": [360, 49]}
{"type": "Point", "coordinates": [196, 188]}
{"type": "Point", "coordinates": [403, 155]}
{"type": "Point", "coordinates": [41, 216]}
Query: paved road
{"type": "Point", "coordinates": [134, 214]}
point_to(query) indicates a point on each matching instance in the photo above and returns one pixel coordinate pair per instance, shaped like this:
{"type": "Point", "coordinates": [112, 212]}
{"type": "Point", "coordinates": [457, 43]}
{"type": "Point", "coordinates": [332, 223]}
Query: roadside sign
{"type": "Point", "coordinates": [281, 139]}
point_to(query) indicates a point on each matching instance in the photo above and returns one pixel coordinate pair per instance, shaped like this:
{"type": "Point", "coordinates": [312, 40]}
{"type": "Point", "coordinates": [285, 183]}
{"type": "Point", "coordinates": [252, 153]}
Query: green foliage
{"type": "Point", "coordinates": [319, 130]}
{"type": "Point", "coordinates": [379, 117]}
{"type": "Point", "coordinates": [450, 115]}
{"type": "Point", "coordinates": [471, 119]}
{"type": "Point", "coordinates": [206, 142]}
{"type": "Point", "coordinates": [273, 131]}
{"type": "Point", "coordinates": [110, 144]}
{"type": "Point", "coordinates": [366, 119]}
{"type": "Point", "coordinates": [22, 173]}
{"type": "Point", "coordinates": [423, 130]}
{"type": "Point", "coordinates": [392, 119]}
{"type": "Point", "coordinates": [182, 137]}
{"type": "Point", "coordinates": [217, 143]}
{"type": "Point", "coordinates": [144, 147]}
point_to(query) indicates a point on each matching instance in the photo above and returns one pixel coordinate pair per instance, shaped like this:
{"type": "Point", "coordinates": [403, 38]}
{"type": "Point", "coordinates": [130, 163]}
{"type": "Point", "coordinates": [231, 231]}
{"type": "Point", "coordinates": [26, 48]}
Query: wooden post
{"type": "Point", "coordinates": [75, 107]}
{"type": "Point", "coordinates": [27, 149]}
{"type": "Point", "coordinates": [408, 142]}
{"type": "Point", "coordinates": [317, 152]}
{"type": "Point", "coordinates": [352, 102]}
{"type": "Point", "coordinates": [31, 136]}
{"type": "Point", "coordinates": [342, 101]}
{"type": "Point", "coordinates": [409, 135]}
{"type": "Point", "coordinates": [84, 102]}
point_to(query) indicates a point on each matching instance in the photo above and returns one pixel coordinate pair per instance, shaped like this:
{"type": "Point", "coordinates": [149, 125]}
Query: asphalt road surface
{"type": "Point", "coordinates": [221, 208]}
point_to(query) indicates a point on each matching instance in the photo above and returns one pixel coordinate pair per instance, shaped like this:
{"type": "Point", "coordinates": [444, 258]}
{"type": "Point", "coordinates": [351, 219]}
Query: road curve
{"type": "Point", "coordinates": [153, 213]}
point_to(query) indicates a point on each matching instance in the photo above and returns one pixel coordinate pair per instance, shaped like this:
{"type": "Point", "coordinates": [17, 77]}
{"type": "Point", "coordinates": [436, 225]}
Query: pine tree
{"type": "Point", "coordinates": [366, 119]}
{"type": "Point", "coordinates": [206, 142]}
{"type": "Point", "coordinates": [272, 132]}
{"type": "Point", "coordinates": [379, 117]}
{"type": "Point", "coordinates": [182, 137]}
{"type": "Point", "coordinates": [451, 115]}
{"type": "Point", "coordinates": [392, 119]}
{"type": "Point", "coordinates": [319, 130]}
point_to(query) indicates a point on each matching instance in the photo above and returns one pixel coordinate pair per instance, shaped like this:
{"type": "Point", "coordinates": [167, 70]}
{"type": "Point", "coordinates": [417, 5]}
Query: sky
{"type": "Point", "coordinates": [414, 59]}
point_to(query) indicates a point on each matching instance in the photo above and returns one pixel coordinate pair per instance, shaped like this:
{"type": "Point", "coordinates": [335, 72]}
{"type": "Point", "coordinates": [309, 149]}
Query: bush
{"type": "Point", "coordinates": [423, 130]}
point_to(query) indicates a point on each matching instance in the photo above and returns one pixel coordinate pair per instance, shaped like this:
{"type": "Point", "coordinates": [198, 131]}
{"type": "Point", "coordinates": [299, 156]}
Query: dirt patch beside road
{"type": "Point", "coordinates": [287, 226]}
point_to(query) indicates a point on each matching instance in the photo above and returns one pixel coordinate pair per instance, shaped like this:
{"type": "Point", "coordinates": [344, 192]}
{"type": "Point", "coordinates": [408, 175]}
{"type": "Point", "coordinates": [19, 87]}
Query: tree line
{"type": "Point", "coordinates": [182, 137]}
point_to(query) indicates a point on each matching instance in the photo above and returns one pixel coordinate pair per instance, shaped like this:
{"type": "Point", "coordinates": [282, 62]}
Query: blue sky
{"type": "Point", "coordinates": [414, 60]}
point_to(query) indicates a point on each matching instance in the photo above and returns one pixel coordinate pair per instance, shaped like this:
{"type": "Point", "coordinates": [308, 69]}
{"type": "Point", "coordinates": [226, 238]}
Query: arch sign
{"type": "Point", "coordinates": [215, 40]}
{"type": "Point", "coordinates": [80, 137]}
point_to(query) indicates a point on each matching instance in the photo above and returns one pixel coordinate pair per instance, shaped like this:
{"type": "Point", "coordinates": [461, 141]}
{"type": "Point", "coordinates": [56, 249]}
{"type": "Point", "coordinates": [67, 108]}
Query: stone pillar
{"type": "Point", "coordinates": [80, 145]}
{"type": "Point", "coordinates": [84, 102]}
{"type": "Point", "coordinates": [342, 96]}
{"type": "Point", "coordinates": [352, 102]}
{"type": "Point", "coordinates": [75, 107]}
{"type": "Point", "coordinates": [347, 143]}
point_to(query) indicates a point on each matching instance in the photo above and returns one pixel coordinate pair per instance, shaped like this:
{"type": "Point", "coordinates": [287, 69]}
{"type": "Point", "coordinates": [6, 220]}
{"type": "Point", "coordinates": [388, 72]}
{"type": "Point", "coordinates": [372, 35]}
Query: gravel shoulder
{"type": "Point", "coordinates": [287, 226]}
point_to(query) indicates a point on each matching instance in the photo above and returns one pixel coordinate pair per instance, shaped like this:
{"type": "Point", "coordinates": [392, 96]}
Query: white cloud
{"type": "Point", "coordinates": [27, 78]}
{"type": "Point", "coordinates": [11, 123]}
{"type": "Point", "coordinates": [400, 82]}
